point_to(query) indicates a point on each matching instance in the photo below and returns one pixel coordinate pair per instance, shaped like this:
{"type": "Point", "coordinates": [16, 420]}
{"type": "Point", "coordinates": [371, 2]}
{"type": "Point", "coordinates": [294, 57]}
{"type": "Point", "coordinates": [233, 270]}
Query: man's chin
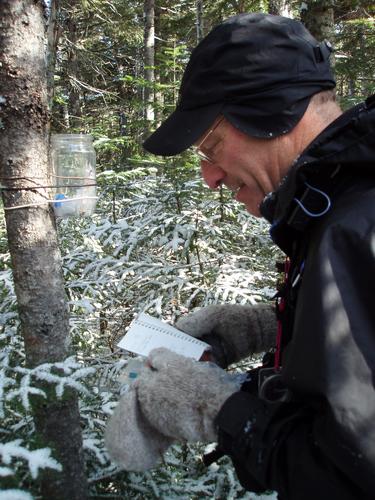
{"type": "Point", "coordinates": [256, 214]}
{"type": "Point", "coordinates": [252, 207]}
{"type": "Point", "coordinates": [253, 210]}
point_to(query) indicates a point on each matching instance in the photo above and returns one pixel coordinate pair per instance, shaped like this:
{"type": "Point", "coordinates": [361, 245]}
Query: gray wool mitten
{"type": "Point", "coordinates": [181, 397]}
{"type": "Point", "coordinates": [130, 439]}
{"type": "Point", "coordinates": [234, 331]}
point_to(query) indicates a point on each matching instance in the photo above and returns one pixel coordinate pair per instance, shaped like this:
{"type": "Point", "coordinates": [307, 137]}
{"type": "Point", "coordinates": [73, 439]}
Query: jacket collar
{"type": "Point", "coordinates": [346, 146]}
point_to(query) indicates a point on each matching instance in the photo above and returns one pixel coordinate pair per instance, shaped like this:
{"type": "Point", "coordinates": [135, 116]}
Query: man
{"type": "Point", "coordinates": [257, 103]}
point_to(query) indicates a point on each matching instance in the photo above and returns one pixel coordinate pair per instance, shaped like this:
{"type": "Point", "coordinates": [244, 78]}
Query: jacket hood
{"type": "Point", "coordinates": [345, 149]}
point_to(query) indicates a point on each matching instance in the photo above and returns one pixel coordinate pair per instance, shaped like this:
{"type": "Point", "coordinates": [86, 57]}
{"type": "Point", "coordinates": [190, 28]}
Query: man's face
{"type": "Point", "coordinates": [249, 166]}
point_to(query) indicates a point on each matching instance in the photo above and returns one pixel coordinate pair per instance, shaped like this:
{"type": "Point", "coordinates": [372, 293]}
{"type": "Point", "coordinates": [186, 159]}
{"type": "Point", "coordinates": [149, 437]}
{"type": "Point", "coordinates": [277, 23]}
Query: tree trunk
{"type": "Point", "coordinates": [52, 38]}
{"type": "Point", "coordinates": [73, 73]}
{"type": "Point", "coordinates": [149, 10]}
{"type": "Point", "coordinates": [199, 21]}
{"type": "Point", "coordinates": [318, 17]}
{"type": "Point", "coordinates": [159, 94]}
{"type": "Point", "coordinates": [279, 8]}
{"type": "Point", "coordinates": [32, 238]}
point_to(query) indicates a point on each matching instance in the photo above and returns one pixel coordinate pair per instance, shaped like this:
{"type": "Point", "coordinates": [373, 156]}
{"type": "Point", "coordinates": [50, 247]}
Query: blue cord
{"type": "Point", "coordinates": [311, 214]}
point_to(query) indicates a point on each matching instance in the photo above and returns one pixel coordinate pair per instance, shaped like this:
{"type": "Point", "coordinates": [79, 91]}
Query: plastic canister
{"type": "Point", "coordinates": [74, 167]}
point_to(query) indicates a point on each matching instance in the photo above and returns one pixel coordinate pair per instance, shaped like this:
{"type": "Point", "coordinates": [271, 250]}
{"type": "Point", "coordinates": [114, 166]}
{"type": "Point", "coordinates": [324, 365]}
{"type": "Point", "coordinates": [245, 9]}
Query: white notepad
{"type": "Point", "coordinates": [147, 333]}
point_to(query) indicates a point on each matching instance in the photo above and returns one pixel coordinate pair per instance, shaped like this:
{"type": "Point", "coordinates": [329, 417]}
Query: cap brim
{"type": "Point", "coordinates": [181, 130]}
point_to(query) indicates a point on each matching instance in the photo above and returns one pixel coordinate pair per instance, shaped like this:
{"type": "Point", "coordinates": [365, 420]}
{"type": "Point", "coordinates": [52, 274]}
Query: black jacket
{"type": "Point", "coordinates": [320, 443]}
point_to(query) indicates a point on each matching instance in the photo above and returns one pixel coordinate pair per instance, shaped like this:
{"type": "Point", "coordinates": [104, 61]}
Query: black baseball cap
{"type": "Point", "coordinates": [258, 70]}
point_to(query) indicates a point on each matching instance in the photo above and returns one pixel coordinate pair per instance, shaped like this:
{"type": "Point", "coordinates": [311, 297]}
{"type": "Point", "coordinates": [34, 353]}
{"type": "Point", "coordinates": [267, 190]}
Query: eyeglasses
{"type": "Point", "coordinates": [198, 148]}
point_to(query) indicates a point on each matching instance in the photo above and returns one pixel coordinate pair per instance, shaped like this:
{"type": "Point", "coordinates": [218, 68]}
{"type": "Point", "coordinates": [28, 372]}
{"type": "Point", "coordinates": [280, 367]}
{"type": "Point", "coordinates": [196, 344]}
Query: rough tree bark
{"type": "Point", "coordinates": [53, 34]}
{"type": "Point", "coordinates": [149, 40]}
{"type": "Point", "coordinates": [318, 17]}
{"type": "Point", "coordinates": [279, 8]}
{"type": "Point", "coordinates": [32, 235]}
{"type": "Point", "coordinates": [199, 20]}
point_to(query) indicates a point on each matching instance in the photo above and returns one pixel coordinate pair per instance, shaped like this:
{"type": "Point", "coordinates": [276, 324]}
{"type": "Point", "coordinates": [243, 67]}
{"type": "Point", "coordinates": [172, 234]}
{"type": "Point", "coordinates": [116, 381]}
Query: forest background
{"type": "Point", "coordinates": [159, 241]}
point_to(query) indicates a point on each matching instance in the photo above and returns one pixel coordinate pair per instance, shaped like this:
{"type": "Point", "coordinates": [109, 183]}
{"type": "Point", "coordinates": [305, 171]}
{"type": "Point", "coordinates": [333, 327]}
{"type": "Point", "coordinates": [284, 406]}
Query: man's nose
{"type": "Point", "coordinates": [212, 175]}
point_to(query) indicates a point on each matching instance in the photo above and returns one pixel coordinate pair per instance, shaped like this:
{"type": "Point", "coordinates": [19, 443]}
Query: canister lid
{"type": "Point", "coordinates": [71, 137]}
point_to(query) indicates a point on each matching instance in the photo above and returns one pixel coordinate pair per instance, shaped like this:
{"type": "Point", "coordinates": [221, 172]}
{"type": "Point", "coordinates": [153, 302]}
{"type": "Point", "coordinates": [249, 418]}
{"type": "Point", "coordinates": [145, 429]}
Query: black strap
{"type": "Point", "coordinates": [213, 456]}
{"type": "Point", "coordinates": [370, 101]}
{"type": "Point", "coordinates": [323, 51]}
